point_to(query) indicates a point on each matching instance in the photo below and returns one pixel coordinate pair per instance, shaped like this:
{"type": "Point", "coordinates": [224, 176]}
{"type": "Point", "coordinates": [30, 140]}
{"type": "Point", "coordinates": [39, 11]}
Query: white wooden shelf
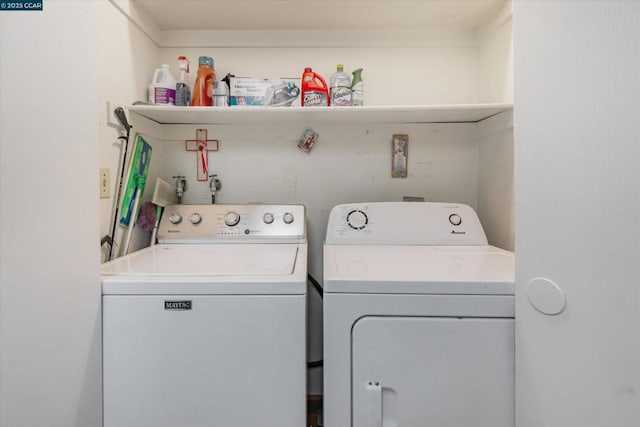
{"type": "Point", "coordinates": [460, 113]}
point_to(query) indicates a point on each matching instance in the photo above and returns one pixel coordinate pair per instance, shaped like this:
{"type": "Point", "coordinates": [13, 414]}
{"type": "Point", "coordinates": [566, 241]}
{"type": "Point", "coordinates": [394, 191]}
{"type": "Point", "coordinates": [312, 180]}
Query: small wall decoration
{"type": "Point", "coordinates": [307, 140]}
{"type": "Point", "coordinates": [399, 155]}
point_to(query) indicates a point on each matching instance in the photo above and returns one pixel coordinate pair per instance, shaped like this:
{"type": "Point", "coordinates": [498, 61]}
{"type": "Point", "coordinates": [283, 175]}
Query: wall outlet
{"type": "Point", "coordinates": [105, 183]}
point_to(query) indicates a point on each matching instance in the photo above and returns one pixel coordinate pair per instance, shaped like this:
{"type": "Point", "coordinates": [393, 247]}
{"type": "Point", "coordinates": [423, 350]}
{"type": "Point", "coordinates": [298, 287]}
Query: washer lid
{"type": "Point", "coordinates": [468, 270]}
{"type": "Point", "coordinates": [207, 260]}
{"type": "Point", "coordinates": [209, 269]}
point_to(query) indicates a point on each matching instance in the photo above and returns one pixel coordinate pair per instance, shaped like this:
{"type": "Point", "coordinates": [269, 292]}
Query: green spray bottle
{"type": "Point", "coordinates": [357, 88]}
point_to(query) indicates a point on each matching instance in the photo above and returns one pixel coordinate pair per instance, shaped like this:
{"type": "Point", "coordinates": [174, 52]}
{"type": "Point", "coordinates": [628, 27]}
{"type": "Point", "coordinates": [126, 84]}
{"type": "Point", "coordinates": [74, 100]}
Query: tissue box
{"type": "Point", "coordinates": [263, 92]}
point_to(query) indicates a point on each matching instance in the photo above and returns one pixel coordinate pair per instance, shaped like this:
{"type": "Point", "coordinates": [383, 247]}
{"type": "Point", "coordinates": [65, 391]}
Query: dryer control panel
{"type": "Point", "coordinates": [404, 223]}
{"type": "Point", "coordinates": [232, 223]}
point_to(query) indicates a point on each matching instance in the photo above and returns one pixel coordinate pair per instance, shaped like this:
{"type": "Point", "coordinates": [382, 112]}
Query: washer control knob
{"type": "Point", "coordinates": [455, 219]}
{"type": "Point", "coordinates": [357, 219]}
{"type": "Point", "coordinates": [195, 218]}
{"type": "Point", "coordinates": [175, 218]}
{"type": "Point", "coordinates": [287, 218]}
{"type": "Point", "coordinates": [268, 218]}
{"type": "Point", "coordinates": [232, 218]}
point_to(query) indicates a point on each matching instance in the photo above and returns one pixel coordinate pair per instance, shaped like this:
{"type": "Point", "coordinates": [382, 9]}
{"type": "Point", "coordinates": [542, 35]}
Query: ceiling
{"type": "Point", "coordinates": [171, 15]}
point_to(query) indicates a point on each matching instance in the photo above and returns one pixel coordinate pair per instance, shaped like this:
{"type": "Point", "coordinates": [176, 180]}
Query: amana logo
{"type": "Point", "coordinates": [177, 305]}
{"type": "Point", "coordinates": [458, 232]}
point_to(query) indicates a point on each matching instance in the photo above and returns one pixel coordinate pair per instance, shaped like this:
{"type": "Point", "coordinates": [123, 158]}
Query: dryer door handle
{"type": "Point", "coordinates": [374, 403]}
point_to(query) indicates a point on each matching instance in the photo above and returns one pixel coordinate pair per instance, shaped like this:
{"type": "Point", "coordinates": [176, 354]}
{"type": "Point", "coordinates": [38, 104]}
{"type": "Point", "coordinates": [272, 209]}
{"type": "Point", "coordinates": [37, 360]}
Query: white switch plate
{"type": "Point", "coordinates": [105, 183]}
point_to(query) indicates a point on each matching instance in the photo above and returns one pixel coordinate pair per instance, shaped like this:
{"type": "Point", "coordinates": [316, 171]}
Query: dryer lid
{"type": "Point", "coordinates": [467, 270]}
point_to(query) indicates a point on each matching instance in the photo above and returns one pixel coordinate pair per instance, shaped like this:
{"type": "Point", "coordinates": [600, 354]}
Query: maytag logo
{"type": "Point", "coordinates": [458, 232]}
{"type": "Point", "coordinates": [177, 305]}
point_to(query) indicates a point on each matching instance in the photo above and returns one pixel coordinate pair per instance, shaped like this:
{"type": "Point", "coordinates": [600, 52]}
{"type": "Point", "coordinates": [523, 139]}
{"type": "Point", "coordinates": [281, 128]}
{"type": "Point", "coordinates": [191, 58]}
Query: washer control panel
{"type": "Point", "coordinates": [413, 223]}
{"type": "Point", "coordinates": [232, 223]}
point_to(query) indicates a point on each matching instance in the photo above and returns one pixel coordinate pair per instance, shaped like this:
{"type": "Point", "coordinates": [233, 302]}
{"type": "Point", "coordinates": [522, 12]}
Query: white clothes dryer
{"type": "Point", "coordinates": [209, 326]}
{"type": "Point", "coordinates": [418, 319]}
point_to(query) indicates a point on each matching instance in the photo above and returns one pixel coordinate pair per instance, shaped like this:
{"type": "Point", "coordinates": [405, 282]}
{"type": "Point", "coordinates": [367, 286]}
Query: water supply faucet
{"type": "Point", "coordinates": [214, 186]}
{"type": "Point", "coordinates": [181, 187]}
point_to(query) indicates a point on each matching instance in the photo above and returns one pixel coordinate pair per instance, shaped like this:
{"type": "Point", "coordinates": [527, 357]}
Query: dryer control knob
{"type": "Point", "coordinates": [175, 218]}
{"type": "Point", "coordinates": [357, 219]}
{"type": "Point", "coordinates": [287, 218]}
{"type": "Point", "coordinates": [232, 218]}
{"type": "Point", "coordinates": [268, 218]}
{"type": "Point", "coordinates": [195, 218]}
{"type": "Point", "coordinates": [455, 219]}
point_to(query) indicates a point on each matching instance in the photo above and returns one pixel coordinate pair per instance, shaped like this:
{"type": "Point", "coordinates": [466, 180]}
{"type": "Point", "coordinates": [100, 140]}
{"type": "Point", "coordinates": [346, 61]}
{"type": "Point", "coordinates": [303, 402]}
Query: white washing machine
{"type": "Point", "coordinates": [208, 328]}
{"type": "Point", "coordinates": [418, 319]}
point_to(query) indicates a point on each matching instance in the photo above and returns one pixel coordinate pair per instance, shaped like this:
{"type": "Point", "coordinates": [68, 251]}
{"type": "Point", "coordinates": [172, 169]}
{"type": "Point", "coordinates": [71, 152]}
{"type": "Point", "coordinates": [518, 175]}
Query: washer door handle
{"type": "Point", "coordinates": [374, 403]}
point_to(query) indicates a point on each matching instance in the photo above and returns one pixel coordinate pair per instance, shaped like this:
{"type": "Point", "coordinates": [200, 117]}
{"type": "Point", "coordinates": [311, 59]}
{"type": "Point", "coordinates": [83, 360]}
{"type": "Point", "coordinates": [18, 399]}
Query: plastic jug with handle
{"type": "Point", "coordinates": [162, 89]}
{"type": "Point", "coordinates": [315, 91]}
{"type": "Point", "coordinates": [203, 87]}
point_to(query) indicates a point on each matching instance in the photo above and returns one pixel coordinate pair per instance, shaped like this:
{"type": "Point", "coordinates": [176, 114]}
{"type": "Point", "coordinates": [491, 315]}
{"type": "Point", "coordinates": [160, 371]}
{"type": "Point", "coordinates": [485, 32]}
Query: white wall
{"type": "Point", "coordinates": [578, 206]}
{"type": "Point", "coordinates": [49, 258]}
{"type": "Point", "coordinates": [496, 206]}
{"type": "Point", "coordinates": [261, 163]}
{"type": "Point", "coordinates": [495, 58]}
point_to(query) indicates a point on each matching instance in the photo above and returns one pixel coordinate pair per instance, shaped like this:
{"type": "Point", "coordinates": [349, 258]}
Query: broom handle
{"type": "Point", "coordinates": [118, 195]}
{"type": "Point", "coordinates": [154, 233]}
{"type": "Point", "coordinates": [132, 221]}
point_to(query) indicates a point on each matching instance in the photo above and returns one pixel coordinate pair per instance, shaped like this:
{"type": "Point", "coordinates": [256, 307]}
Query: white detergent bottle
{"type": "Point", "coordinates": [162, 89]}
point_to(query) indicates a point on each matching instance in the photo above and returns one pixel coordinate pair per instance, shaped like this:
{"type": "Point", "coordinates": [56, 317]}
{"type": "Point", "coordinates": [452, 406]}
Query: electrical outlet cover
{"type": "Point", "coordinates": [105, 183]}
